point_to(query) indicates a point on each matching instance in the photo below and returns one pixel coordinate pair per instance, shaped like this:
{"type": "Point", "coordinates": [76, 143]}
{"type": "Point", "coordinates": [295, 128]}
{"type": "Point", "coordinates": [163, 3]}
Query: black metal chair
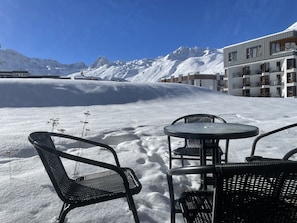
{"type": "Point", "coordinates": [112, 183]}
{"type": "Point", "coordinates": [256, 192]}
{"type": "Point", "coordinates": [272, 133]}
{"type": "Point", "coordinates": [191, 148]}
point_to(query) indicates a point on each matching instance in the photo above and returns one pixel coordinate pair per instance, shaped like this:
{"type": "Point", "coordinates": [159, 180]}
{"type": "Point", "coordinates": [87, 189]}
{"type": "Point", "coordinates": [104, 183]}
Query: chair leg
{"type": "Point", "coordinates": [171, 196]}
{"type": "Point", "coordinates": [172, 216]}
{"type": "Point", "coordinates": [132, 207]}
{"type": "Point", "coordinates": [65, 209]}
{"type": "Point", "coordinates": [182, 160]}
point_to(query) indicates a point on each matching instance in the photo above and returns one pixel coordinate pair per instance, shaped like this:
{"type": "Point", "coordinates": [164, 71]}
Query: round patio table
{"type": "Point", "coordinates": [211, 131]}
{"type": "Point", "coordinates": [214, 130]}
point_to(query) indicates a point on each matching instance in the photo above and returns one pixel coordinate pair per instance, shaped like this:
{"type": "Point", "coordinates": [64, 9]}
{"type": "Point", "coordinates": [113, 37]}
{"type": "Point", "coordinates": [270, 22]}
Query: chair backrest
{"type": "Point", "coordinates": [199, 118]}
{"type": "Point", "coordinates": [194, 118]}
{"type": "Point", "coordinates": [256, 192]}
{"type": "Point", "coordinates": [45, 147]}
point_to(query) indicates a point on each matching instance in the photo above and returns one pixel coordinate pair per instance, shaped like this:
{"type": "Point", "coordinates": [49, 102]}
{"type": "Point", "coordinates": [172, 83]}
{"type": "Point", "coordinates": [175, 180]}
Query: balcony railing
{"type": "Point", "coordinates": [275, 83]}
{"type": "Point", "coordinates": [265, 94]}
{"type": "Point", "coordinates": [237, 86]}
{"type": "Point", "coordinates": [238, 74]}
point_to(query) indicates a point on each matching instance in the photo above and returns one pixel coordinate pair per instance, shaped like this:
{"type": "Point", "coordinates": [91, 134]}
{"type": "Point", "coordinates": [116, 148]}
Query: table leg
{"type": "Point", "coordinates": [216, 153]}
{"type": "Point", "coordinates": [203, 163]}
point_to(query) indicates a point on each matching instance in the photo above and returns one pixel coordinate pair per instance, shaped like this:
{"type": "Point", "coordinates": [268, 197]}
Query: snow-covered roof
{"type": "Point", "coordinates": [290, 28]}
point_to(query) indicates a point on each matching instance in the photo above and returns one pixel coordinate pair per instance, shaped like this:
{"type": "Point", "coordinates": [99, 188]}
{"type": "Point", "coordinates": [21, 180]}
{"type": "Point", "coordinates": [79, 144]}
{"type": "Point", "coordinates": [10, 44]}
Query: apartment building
{"type": "Point", "coordinates": [210, 81]}
{"type": "Point", "coordinates": [262, 67]}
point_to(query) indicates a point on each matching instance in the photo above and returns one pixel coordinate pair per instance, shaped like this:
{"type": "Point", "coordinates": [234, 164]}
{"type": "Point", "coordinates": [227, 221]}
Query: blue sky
{"type": "Point", "coordinates": [73, 30]}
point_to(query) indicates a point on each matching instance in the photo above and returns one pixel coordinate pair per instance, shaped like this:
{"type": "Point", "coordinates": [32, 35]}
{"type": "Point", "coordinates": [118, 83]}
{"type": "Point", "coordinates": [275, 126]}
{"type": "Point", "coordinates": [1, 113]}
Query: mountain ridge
{"type": "Point", "coordinates": [183, 60]}
{"type": "Point", "coordinates": [11, 60]}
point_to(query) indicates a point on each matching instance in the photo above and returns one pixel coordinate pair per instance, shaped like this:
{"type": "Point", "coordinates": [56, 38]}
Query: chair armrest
{"type": "Point", "coordinates": [287, 156]}
{"type": "Point", "coordinates": [260, 158]}
{"type": "Point", "coordinates": [89, 142]}
{"type": "Point", "coordinates": [290, 154]}
{"type": "Point", "coordinates": [59, 153]}
{"type": "Point", "coordinates": [267, 134]}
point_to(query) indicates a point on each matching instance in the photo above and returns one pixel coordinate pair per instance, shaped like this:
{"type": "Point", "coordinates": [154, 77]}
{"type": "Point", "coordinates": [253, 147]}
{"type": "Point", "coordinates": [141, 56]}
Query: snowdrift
{"type": "Point", "coordinates": [51, 92]}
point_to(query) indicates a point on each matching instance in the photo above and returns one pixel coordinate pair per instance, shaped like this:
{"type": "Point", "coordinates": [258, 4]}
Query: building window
{"type": "Point", "coordinates": [246, 70]}
{"type": "Point", "coordinates": [265, 92]}
{"type": "Point", "coordinates": [275, 48]}
{"type": "Point", "coordinates": [264, 67]}
{"type": "Point", "coordinates": [291, 63]}
{"type": "Point", "coordinates": [291, 91]}
{"type": "Point", "coordinates": [246, 82]}
{"type": "Point", "coordinates": [279, 79]}
{"type": "Point", "coordinates": [265, 80]}
{"type": "Point", "coordinates": [278, 66]}
{"type": "Point", "coordinates": [291, 77]}
{"type": "Point", "coordinates": [246, 92]}
{"type": "Point", "coordinates": [290, 46]}
{"type": "Point", "coordinates": [254, 52]}
{"type": "Point", "coordinates": [233, 56]}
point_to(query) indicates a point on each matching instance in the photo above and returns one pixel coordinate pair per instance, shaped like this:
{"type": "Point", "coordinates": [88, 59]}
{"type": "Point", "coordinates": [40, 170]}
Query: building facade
{"type": "Point", "coordinates": [210, 81]}
{"type": "Point", "coordinates": [14, 74]}
{"type": "Point", "coordinates": [263, 67]}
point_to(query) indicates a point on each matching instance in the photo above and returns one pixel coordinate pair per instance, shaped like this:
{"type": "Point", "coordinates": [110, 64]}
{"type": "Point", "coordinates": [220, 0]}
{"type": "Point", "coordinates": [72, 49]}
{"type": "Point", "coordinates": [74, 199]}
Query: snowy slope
{"type": "Point", "coordinates": [86, 92]}
{"type": "Point", "coordinates": [11, 60]}
{"type": "Point", "coordinates": [134, 128]}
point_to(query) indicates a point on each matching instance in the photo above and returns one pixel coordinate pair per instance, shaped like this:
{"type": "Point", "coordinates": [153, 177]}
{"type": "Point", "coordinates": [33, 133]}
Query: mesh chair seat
{"type": "Point", "coordinates": [104, 186]}
{"type": "Point", "coordinates": [197, 207]}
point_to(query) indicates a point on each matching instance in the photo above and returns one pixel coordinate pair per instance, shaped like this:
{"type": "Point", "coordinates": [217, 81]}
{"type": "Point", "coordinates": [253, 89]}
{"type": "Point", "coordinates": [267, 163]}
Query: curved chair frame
{"type": "Point", "coordinates": [115, 182]}
{"type": "Point", "coordinates": [253, 157]}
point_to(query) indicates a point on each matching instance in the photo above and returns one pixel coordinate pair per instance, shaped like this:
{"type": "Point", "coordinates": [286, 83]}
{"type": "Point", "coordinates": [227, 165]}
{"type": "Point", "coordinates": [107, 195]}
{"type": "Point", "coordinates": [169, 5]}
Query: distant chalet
{"type": "Point", "coordinates": [14, 74]}
{"type": "Point", "coordinates": [210, 81]}
{"type": "Point", "coordinates": [26, 74]}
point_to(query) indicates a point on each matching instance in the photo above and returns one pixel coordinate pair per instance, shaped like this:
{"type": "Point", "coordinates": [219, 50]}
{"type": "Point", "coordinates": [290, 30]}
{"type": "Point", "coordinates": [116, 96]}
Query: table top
{"type": "Point", "coordinates": [214, 130]}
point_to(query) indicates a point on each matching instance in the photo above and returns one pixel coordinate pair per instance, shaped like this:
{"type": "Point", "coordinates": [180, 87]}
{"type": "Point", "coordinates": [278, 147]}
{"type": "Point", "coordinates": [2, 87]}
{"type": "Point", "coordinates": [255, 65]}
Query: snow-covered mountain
{"type": "Point", "coordinates": [184, 60]}
{"type": "Point", "coordinates": [11, 60]}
